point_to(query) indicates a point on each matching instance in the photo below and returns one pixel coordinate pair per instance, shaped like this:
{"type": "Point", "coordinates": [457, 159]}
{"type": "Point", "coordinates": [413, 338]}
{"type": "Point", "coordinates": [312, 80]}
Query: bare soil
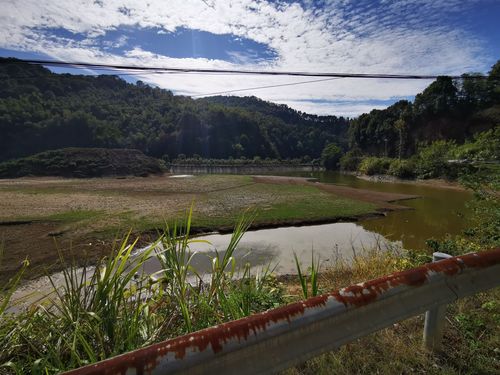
{"type": "Point", "coordinates": [27, 228]}
{"type": "Point", "coordinates": [381, 199]}
{"type": "Point", "coordinates": [434, 182]}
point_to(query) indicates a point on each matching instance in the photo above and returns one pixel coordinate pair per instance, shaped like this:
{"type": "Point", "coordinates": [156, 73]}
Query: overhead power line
{"type": "Point", "coordinates": [75, 64]}
{"type": "Point", "coordinates": [265, 87]}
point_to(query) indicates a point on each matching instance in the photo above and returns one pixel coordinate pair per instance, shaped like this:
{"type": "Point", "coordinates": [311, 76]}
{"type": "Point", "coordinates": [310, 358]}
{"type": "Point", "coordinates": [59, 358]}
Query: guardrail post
{"type": "Point", "coordinates": [435, 318]}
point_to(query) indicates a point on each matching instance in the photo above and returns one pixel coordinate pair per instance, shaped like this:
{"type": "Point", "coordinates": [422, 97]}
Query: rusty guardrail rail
{"type": "Point", "coordinates": [279, 338]}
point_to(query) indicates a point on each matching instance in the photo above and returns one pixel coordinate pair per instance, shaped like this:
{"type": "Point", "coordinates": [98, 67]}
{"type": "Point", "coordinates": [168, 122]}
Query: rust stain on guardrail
{"type": "Point", "coordinates": [145, 360]}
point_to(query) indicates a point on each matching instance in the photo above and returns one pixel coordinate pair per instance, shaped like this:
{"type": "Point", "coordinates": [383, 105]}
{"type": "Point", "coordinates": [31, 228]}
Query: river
{"type": "Point", "coordinates": [436, 213]}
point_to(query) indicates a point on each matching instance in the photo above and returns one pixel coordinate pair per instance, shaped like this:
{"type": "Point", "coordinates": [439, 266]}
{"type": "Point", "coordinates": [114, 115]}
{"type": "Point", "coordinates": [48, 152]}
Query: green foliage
{"type": "Point", "coordinates": [256, 161]}
{"type": "Point", "coordinates": [445, 110]}
{"type": "Point", "coordinates": [304, 279]}
{"type": "Point", "coordinates": [482, 232]}
{"type": "Point", "coordinates": [484, 147]}
{"type": "Point", "coordinates": [402, 168]}
{"type": "Point", "coordinates": [440, 97]}
{"type": "Point", "coordinates": [351, 159]}
{"type": "Point", "coordinates": [114, 307]}
{"type": "Point", "coordinates": [485, 182]}
{"type": "Point", "coordinates": [83, 162]}
{"type": "Point", "coordinates": [432, 160]}
{"type": "Point", "coordinates": [330, 156]}
{"type": "Point", "coordinates": [41, 110]}
{"type": "Point", "coordinates": [373, 165]}
{"type": "Point", "coordinates": [7, 289]}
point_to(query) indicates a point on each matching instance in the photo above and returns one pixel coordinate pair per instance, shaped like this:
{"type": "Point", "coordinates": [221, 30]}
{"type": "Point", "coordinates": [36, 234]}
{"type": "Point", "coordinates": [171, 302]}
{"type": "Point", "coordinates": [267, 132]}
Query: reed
{"type": "Point", "coordinates": [113, 306]}
{"type": "Point", "coordinates": [312, 278]}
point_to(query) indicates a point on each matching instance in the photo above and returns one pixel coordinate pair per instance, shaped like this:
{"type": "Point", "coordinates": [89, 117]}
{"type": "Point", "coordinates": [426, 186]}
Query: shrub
{"type": "Point", "coordinates": [432, 161]}
{"type": "Point", "coordinates": [350, 160]}
{"type": "Point", "coordinates": [373, 165]}
{"type": "Point", "coordinates": [83, 162]}
{"type": "Point", "coordinates": [402, 168]}
{"type": "Point", "coordinates": [331, 156]}
{"type": "Point", "coordinates": [485, 146]}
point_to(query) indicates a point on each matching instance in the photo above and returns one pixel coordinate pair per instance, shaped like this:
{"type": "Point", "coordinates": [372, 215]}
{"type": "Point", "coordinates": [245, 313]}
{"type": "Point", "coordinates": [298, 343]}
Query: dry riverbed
{"type": "Point", "coordinates": [42, 217]}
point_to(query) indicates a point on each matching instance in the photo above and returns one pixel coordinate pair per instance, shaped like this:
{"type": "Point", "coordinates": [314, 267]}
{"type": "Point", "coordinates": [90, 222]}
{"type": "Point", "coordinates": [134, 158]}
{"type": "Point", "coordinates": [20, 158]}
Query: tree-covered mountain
{"type": "Point", "coordinates": [445, 110]}
{"type": "Point", "coordinates": [41, 110]}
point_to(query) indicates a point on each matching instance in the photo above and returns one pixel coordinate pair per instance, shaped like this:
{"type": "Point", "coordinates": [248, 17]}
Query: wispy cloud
{"type": "Point", "coordinates": [417, 36]}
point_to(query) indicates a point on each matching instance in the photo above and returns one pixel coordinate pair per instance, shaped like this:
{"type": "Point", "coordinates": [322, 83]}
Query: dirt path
{"type": "Point", "coordinates": [381, 199]}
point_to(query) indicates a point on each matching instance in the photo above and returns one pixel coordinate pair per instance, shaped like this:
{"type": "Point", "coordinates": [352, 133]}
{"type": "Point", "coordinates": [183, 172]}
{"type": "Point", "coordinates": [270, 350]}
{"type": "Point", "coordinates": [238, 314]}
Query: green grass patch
{"type": "Point", "coordinates": [285, 203]}
{"type": "Point", "coordinates": [74, 216]}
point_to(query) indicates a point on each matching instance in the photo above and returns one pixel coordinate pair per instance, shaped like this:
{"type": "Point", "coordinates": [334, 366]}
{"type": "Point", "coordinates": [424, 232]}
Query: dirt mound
{"type": "Point", "coordinates": [83, 162]}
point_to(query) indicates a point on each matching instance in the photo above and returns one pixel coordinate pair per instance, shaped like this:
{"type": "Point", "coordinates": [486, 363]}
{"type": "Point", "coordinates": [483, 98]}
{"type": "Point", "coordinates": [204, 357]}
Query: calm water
{"type": "Point", "coordinates": [437, 212]}
{"type": "Point", "coordinates": [276, 246]}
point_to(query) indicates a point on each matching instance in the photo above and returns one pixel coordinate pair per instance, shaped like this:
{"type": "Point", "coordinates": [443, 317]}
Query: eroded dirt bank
{"type": "Point", "coordinates": [383, 200]}
{"type": "Point", "coordinates": [42, 218]}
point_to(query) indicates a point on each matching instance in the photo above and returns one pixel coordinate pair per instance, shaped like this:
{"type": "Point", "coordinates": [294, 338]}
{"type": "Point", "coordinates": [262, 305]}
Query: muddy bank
{"type": "Point", "coordinates": [82, 209]}
{"type": "Point", "coordinates": [383, 200]}
{"type": "Point", "coordinates": [42, 243]}
{"type": "Point", "coordinates": [434, 182]}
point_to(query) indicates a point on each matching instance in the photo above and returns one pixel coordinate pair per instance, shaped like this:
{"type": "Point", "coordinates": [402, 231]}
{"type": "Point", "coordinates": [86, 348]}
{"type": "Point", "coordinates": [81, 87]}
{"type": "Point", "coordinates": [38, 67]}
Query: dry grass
{"type": "Point", "coordinates": [471, 342]}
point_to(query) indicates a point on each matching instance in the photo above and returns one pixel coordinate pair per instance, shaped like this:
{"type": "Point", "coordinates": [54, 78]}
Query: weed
{"type": "Point", "coordinates": [113, 307]}
{"type": "Point", "coordinates": [313, 276]}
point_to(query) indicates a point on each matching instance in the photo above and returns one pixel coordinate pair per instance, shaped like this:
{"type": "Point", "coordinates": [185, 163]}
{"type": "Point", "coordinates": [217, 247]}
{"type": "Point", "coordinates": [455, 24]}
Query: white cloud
{"type": "Point", "coordinates": [343, 36]}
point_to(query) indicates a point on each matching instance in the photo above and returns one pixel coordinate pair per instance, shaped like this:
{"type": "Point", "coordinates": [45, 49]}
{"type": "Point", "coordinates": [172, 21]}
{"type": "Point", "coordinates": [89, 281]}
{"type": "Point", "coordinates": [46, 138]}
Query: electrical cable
{"type": "Point", "coordinates": [234, 71]}
{"type": "Point", "coordinates": [265, 87]}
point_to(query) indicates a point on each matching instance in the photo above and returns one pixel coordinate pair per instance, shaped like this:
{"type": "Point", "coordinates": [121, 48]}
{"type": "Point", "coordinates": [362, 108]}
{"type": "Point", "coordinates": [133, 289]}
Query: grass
{"type": "Point", "coordinates": [282, 204]}
{"type": "Point", "coordinates": [471, 340]}
{"type": "Point", "coordinates": [75, 216]}
{"type": "Point", "coordinates": [219, 201]}
{"type": "Point", "coordinates": [114, 307]}
{"type": "Point", "coordinates": [470, 345]}
{"type": "Point", "coordinates": [313, 277]}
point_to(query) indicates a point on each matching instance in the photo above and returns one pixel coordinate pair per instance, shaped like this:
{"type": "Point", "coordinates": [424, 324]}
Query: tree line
{"type": "Point", "coordinates": [41, 110]}
{"type": "Point", "coordinates": [446, 110]}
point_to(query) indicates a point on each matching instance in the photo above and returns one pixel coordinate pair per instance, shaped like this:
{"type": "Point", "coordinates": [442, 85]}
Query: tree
{"type": "Point", "coordinates": [494, 80]}
{"type": "Point", "coordinates": [400, 124]}
{"type": "Point", "coordinates": [438, 98]}
{"type": "Point", "coordinates": [331, 156]}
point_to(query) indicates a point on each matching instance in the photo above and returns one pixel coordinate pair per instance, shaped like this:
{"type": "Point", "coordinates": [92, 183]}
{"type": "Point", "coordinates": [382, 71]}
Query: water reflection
{"type": "Point", "coordinates": [276, 246]}
{"type": "Point", "coordinates": [438, 212]}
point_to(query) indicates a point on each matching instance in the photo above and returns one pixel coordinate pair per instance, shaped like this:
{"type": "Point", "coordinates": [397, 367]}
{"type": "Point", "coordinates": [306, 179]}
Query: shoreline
{"type": "Point", "coordinates": [433, 182]}
{"type": "Point", "coordinates": [24, 233]}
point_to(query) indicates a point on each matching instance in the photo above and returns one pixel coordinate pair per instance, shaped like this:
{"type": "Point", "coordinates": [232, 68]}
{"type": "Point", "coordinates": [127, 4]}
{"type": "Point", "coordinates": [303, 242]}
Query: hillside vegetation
{"type": "Point", "coordinates": [446, 110]}
{"type": "Point", "coordinates": [40, 111]}
{"type": "Point", "coordinates": [83, 162]}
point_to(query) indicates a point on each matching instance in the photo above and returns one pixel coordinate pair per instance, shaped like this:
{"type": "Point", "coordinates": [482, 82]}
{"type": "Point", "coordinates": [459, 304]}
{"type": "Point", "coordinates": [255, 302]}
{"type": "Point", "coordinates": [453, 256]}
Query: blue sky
{"type": "Point", "coordinates": [407, 36]}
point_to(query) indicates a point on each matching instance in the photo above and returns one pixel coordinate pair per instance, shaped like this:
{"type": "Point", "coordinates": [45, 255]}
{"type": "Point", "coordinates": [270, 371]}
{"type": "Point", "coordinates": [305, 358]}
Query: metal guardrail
{"type": "Point", "coordinates": [279, 338]}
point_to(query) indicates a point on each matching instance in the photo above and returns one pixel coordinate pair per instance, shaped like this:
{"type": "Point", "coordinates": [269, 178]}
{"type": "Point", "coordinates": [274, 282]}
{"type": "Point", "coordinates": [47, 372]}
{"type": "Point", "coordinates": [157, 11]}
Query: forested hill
{"type": "Point", "coordinates": [446, 110]}
{"type": "Point", "coordinates": [281, 111]}
{"type": "Point", "coordinates": [40, 110]}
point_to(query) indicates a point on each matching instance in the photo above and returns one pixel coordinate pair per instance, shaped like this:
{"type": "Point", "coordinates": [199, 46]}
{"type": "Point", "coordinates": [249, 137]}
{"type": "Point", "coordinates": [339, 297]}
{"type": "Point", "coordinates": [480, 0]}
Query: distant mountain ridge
{"type": "Point", "coordinates": [41, 110]}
